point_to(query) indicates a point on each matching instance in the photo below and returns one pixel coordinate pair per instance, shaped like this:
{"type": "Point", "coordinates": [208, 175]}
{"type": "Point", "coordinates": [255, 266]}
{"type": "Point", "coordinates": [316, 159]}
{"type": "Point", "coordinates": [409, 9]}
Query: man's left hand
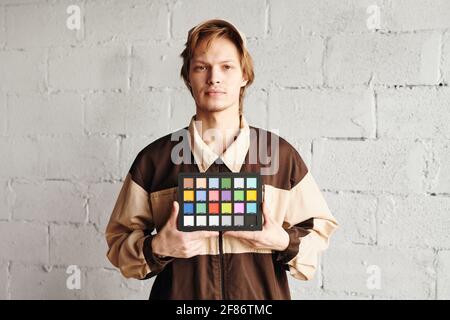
{"type": "Point", "coordinates": [272, 236]}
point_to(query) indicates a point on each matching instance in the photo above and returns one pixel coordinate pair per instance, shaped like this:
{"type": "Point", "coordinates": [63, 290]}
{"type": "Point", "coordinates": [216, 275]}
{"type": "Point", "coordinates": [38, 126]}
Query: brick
{"type": "Point", "coordinates": [110, 284]}
{"type": "Point", "coordinates": [148, 115]}
{"type": "Point", "coordinates": [3, 280]}
{"type": "Point", "coordinates": [88, 68]}
{"type": "Point", "coordinates": [105, 113]}
{"type": "Point", "coordinates": [48, 201]}
{"type": "Point", "coordinates": [2, 27]}
{"type": "Point", "coordinates": [322, 113]}
{"type": "Point", "coordinates": [156, 65]}
{"type": "Point", "coordinates": [41, 25]}
{"type": "Point", "coordinates": [143, 113]}
{"type": "Point", "coordinates": [407, 15]}
{"type": "Point", "coordinates": [417, 112]}
{"type": "Point", "coordinates": [437, 171]}
{"type": "Point", "coordinates": [287, 61]}
{"type": "Point", "coordinates": [3, 114]}
{"type": "Point", "coordinates": [5, 195]}
{"type": "Point", "coordinates": [250, 18]}
{"type": "Point", "coordinates": [320, 17]}
{"type": "Point", "coordinates": [392, 59]}
{"type": "Point", "coordinates": [443, 283]}
{"type": "Point", "coordinates": [102, 198]}
{"type": "Point", "coordinates": [303, 146]}
{"type": "Point", "coordinates": [59, 113]}
{"type": "Point", "coordinates": [24, 242]}
{"type": "Point", "coordinates": [383, 166]}
{"type": "Point", "coordinates": [255, 108]}
{"type": "Point", "coordinates": [182, 108]}
{"type": "Point", "coordinates": [445, 68]}
{"type": "Point", "coordinates": [89, 158]}
{"type": "Point", "coordinates": [407, 222]}
{"type": "Point", "coordinates": [33, 282]}
{"type": "Point", "coordinates": [356, 214]}
{"type": "Point", "coordinates": [404, 273]}
{"type": "Point", "coordinates": [15, 161]}
{"type": "Point", "coordinates": [126, 21]}
{"type": "Point", "coordinates": [22, 71]}
{"type": "Point", "coordinates": [83, 246]}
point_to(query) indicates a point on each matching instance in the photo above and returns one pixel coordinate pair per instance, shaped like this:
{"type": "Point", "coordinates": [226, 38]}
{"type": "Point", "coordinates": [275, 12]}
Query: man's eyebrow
{"type": "Point", "coordinates": [201, 61]}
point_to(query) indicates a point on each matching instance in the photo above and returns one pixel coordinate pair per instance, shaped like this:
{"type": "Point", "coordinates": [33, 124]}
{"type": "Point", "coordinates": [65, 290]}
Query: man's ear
{"type": "Point", "coordinates": [244, 82]}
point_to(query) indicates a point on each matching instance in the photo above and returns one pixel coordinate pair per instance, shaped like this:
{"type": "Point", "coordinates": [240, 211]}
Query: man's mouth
{"type": "Point", "coordinates": [214, 93]}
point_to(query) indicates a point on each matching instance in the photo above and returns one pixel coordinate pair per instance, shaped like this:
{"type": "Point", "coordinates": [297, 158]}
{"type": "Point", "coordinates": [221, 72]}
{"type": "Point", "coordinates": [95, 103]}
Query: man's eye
{"type": "Point", "coordinates": [201, 68]}
{"type": "Point", "coordinates": [227, 67]}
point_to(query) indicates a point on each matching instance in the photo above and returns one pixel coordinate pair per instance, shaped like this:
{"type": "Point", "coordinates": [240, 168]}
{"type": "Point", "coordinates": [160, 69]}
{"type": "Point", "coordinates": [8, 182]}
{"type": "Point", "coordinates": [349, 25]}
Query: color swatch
{"type": "Point", "coordinates": [219, 201]}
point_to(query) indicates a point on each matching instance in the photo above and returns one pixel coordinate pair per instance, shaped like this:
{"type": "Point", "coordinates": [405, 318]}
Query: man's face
{"type": "Point", "coordinates": [216, 76]}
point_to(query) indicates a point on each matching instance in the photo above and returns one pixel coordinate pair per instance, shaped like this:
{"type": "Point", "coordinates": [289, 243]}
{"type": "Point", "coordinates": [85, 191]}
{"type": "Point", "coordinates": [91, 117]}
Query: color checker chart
{"type": "Point", "coordinates": [219, 201]}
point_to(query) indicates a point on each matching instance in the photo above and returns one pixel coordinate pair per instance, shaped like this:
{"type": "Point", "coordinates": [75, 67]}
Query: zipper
{"type": "Point", "coordinates": [221, 267]}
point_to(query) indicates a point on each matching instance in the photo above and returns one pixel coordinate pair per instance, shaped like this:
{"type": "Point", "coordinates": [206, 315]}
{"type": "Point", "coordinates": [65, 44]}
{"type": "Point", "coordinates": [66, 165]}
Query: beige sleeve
{"type": "Point", "coordinates": [128, 233]}
{"type": "Point", "coordinates": [309, 224]}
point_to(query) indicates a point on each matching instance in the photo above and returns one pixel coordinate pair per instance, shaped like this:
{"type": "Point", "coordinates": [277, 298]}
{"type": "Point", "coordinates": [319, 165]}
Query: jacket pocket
{"type": "Point", "coordinates": [161, 205]}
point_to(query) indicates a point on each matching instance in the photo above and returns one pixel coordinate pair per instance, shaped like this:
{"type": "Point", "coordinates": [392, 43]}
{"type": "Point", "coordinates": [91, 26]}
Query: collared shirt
{"type": "Point", "coordinates": [226, 268]}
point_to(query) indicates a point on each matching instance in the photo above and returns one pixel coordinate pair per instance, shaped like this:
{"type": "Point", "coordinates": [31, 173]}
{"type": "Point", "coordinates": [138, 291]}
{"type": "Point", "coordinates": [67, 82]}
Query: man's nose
{"type": "Point", "coordinates": [214, 76]}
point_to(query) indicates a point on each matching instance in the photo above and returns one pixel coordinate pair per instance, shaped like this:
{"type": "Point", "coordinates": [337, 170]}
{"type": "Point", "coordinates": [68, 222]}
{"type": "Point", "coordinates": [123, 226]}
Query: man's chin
{"type": "Point", "coordinates": [213, 108]}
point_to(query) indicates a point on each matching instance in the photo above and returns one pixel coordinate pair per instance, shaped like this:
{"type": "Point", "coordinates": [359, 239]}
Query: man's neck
{"type": "Point", "coordinates": [224, 124]}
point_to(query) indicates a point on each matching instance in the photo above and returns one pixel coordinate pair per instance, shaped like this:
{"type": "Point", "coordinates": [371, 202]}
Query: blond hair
{"type": "Point", "coordinates": [210, 30]}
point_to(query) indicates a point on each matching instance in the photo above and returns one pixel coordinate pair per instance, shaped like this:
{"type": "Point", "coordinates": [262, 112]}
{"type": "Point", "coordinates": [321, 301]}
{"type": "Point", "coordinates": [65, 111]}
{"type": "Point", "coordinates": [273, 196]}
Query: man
{"type": "Point", "coordinates": [217, 69]}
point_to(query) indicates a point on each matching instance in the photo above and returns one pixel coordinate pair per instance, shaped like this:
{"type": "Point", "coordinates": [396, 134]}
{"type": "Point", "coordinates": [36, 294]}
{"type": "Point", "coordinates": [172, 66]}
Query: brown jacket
{"type": "Point", "coordinates": [227, 268]}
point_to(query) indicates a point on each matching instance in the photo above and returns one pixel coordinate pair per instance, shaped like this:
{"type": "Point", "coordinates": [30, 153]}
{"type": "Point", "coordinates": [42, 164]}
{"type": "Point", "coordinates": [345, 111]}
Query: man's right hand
{"type": "Point", "coordinates": [169, 241]}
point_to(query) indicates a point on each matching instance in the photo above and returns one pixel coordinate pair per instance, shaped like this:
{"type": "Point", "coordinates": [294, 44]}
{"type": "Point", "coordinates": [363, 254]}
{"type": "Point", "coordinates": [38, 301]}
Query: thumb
{"type": "Point", "coordinates": [266, 213]}
{"type": "Point", "coordinates": [174, 212]}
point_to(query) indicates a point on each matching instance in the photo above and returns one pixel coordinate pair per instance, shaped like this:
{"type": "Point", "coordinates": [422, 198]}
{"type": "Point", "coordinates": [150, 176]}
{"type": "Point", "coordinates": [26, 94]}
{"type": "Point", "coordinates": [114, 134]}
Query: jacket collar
{"type": "Point", "coordinates": [233, 157]}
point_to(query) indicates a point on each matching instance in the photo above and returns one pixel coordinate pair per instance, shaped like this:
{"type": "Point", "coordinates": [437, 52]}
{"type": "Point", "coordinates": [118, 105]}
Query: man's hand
{"type": "Point", "coordinates": [174, 243]}
{"type": "Point", "coordinates": [272, 236]}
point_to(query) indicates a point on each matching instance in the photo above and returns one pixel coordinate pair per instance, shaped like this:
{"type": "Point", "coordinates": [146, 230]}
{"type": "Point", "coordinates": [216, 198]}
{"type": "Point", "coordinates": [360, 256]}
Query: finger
{"type": "Point", "coordinates": [247, 240]}
{"type": "Point", "coordinates": [240, 234]}
{"type": "Point", "coordinates": [249, 243]}
{"type": "Point", "coordinates": [194, 250]}
{"type": "Point", "coordinates": [197, 249]}
{"type": "Point", "coordinates": [204, 234]}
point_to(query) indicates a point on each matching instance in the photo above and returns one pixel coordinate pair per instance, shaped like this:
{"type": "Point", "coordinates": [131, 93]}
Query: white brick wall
{"type": "Point", "coordinates": [369, 112]}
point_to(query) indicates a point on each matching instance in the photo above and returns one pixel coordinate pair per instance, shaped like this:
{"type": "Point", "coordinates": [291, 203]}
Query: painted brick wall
{"type": "Point", "coordinates": [368, 109]}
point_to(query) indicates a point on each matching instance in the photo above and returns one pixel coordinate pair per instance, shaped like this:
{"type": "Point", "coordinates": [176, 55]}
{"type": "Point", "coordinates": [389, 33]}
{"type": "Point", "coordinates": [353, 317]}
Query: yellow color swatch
{"type": "Point", "coordinates": [251, 195]}
{"type": "Point", "coordinates": [226, 207]}
{"type": "Point", "coordinates": [188, 195]}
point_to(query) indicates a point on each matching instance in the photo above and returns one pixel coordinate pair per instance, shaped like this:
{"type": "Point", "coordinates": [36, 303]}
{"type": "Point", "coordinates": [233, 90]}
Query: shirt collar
{"type": "Point", "coordinates": [233, 157]}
